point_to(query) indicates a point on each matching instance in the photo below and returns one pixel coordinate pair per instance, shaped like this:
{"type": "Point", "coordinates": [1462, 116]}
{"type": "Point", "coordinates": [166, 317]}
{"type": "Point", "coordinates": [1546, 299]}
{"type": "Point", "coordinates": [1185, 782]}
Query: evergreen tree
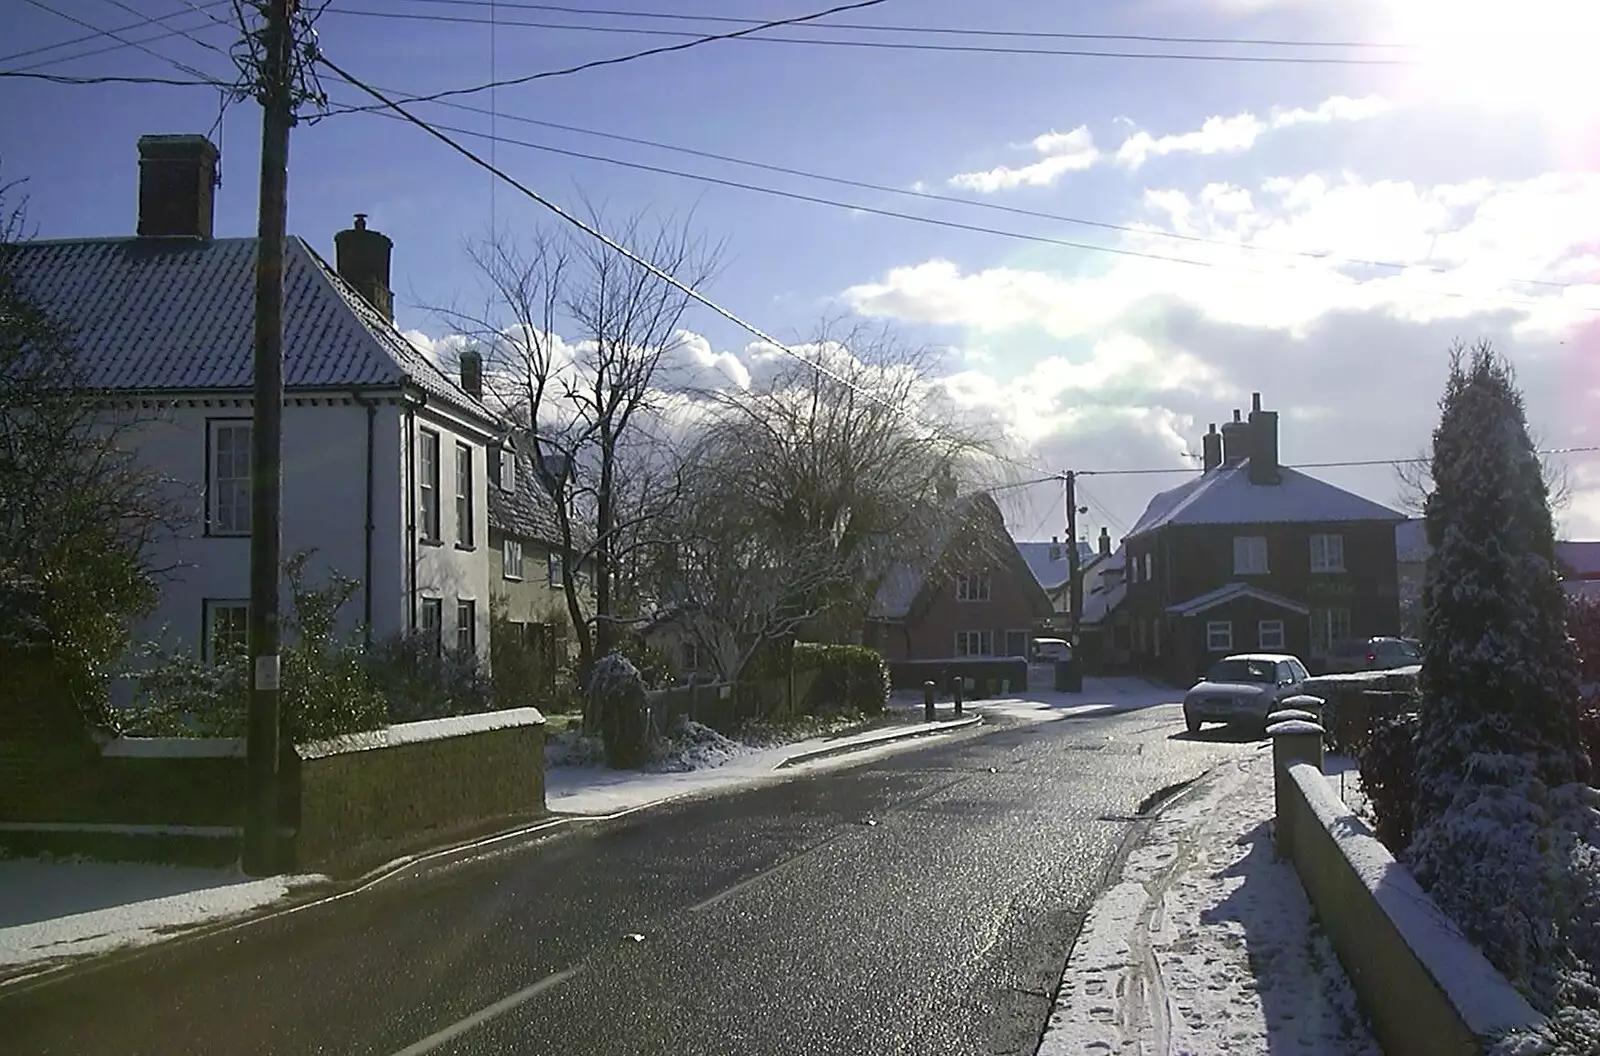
{"type": "Point", "coordinates": [1498, 753]}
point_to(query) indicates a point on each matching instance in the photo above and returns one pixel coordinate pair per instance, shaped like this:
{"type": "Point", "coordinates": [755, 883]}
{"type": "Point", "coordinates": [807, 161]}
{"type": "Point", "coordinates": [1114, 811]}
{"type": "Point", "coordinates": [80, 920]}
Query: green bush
{"type": "Point", "coordinates": [617, 696]}
{"type": "Point", "coordinates": [848, 677]}
{"type": "Point", "coordinates": [419, 680]}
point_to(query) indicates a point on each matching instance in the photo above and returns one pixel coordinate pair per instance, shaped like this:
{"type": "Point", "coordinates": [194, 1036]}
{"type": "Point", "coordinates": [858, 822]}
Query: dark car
{"type": "Point", "coordinates": [1381, 653]}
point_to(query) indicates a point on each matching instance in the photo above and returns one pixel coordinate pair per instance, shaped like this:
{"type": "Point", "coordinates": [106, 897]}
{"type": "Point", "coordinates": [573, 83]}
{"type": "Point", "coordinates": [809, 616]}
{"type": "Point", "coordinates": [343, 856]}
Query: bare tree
{"type": "Point", "coordinates": [845, 456]}
{"type": "Point", "coordinates": [586, 400]}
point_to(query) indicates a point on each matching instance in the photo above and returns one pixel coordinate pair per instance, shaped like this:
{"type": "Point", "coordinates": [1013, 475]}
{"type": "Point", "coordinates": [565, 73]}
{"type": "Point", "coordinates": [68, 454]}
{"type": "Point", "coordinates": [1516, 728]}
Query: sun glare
{"type": "Point", "coordinates": [1543, 54]}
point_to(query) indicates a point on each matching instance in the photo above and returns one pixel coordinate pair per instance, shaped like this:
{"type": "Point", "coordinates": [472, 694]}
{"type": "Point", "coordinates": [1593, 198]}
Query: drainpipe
{"type": "Point", "coordinates": [413, 400]}
{"type": "Point", "coordinates": [366, 581]}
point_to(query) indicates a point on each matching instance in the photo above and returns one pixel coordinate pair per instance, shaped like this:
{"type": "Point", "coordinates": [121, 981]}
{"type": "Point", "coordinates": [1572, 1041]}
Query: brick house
{"type": "Point", "coordinates": [1253, 555]}
{"type": "Point", "coordinates": [1050, 564]}
{"type": "Point", "coordinates": [974, 596]}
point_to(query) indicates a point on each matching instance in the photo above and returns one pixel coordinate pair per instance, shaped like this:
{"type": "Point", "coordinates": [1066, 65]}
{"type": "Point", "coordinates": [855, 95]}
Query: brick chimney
{"type": "Point", "coordinates": [472, 374]}
{"type": "Point", "coordinates": [362, 257]}
{"type": "Point", "coordinates": [177, 181]}
{"type": "Point", "coordinates": [1235, 441]}
{"type": "Point", "coordinates": [1105, 542]}
{"type": "Point", "coordinates": [1211, 446]}
{"type": "Point", "coordinates": [1263, 443]}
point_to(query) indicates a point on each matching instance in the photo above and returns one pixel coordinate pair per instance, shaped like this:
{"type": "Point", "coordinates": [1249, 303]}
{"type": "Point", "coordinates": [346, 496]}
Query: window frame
{"type": "Point", "coordinates": [466, 626]}
{"type": "Point", "coordinates": [975, 587]}
{"type": "Point", "coordinates": [1247, 547]}
{"type": "Point", "coordinates": [1149, 565]}
{"type": "Point", "coordinates": [209, 609]}
{"type": "Point", "coordinates": [1330, 562]}
{"type": "Point", "coordinates": [963, 641]}
{"type": "Point", "coordinates": [466, 507]}
{"type": "Point", "coordinates": [436, 607]}
{"type": "Point", "coordinates": [556, 570]}
{"type": "Point", "coordinates": [1216, 629]}
{"type": "Point", "coordinates": [508, 546]}
{"type": "Point", "coordinates": [1323, 623]}
{"type": "Point", "coordinates": [429, 524]}
{"type": "Point", "coordinates": [1282, 635]}
{"type": "Point", "coordinates": [214, 426]}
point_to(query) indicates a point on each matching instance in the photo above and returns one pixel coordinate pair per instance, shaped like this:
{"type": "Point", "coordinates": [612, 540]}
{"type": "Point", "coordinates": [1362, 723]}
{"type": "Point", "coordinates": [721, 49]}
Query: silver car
{"type": "Point", "coordinates": [1243, 690]}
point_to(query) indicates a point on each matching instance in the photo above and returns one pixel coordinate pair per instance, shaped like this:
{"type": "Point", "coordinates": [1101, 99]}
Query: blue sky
{"type": "Point", "coordinates": [1085, 359]}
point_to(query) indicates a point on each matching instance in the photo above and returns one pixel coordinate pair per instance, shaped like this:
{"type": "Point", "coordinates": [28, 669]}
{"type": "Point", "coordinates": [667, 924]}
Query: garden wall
{"type": "Point", "coordinates": [1425, 988]}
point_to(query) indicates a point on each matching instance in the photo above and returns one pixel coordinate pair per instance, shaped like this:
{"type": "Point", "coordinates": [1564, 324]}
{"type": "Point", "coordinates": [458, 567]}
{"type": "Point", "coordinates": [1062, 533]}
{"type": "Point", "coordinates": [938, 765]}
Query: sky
{"type": "Point", "coordinates": [1211, 228]}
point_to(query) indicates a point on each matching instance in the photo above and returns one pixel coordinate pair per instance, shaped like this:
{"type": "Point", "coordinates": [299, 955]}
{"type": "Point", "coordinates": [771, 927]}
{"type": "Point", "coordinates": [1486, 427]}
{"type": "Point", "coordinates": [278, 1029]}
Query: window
{"type": "Point", "coordinates": [1149, 568]}
{"type": "Point", "coordinates": [1285, 673]}
{"type": "Point", "coordinates": [227, 629]}
{"type": "Point", "coordinates": [466, 625]}
{"type": "Point", "coordinates": [973, 586]}
{"type": "Point", "coordinates": [1219, 636]}
{"type": "Point", "coordinates": [1133, 570]}
{"type": "Point", "coordinates": [1249, 555]}
{"type": "Point", "coordinates": [974, 643]}
{"type": "Point", "coordinates": [428, 484]}
{"type": "Point", "coordinates": [228, 483]}
{"type": "Point", "coordinates": [463, 495]}
{"type": "Point", "coordinates": [691, 656]}
{"type": "Point", "coordinates": [1269, 635]}
{"type": "Point", "coordinates": [503, 467]}
{"type": "Point", "coordinates": [1327, 553]}
{"type": "Point", "coordinates": [1017, 643]}
{"type": "Point", "coordinates": [558, 570]}
{"type": "Point", "coordinates": [1328, 626]}
{"type": "Point", "coordinates": [511, 558]}
{"type": "Point", "coordinates": [432, 622]}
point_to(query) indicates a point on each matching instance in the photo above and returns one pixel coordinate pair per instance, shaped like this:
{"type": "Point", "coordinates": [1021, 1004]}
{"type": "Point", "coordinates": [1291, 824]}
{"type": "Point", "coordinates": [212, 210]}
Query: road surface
{"type": "Point", "coordinates": [921, 902]}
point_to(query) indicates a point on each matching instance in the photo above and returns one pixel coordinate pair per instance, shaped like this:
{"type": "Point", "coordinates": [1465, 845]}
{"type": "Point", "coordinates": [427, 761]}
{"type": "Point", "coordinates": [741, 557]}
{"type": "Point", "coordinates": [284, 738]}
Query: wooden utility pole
{"type": "Point", "coordinates": [1074, 562]}
{"type": "Point", "coordinates": [277, 114]}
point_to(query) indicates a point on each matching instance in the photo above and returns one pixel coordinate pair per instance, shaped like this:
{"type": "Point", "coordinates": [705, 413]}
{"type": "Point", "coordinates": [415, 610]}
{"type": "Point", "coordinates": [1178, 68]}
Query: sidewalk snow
{"type": "Point", "coordinates": [1207, 946]}
{"type": "Point", "coordinates": [56, 909]}
{"type": "Point", "coordinates": [1344, 774]}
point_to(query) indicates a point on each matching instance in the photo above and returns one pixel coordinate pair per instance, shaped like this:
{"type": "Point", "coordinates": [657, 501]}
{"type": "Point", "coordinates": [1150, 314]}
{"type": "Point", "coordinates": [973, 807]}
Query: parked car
{"type": "Point", "coordinates": [1380, 653]}
{"type": "Point", "coordinates": [1242, 690]}
{"type": "Point", "coordinates": [1051, 650]}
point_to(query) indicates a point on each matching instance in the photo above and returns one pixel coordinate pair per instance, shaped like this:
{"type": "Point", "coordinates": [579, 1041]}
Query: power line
{"type": "Point", "coordinates": [960, 226]}
{"type": "Point", "coordinates": [982, 49]}
{"type": "Point", "coordinates": [181, 67]}
{"type": "Point", "coordinates": [942, 30]}
{"type": "Point", "coordinates": [144, 21]}
{"type": "Point", "coordinates": [1341, 464]}
{"type": "Point", "coordinates": [56, 78]}
{"type": "Point", "coordinates": [955, 199]}
{"type": "Point", "coordinates": [614, 60]}
{"type": "Point", "coordinates": [186, 34]}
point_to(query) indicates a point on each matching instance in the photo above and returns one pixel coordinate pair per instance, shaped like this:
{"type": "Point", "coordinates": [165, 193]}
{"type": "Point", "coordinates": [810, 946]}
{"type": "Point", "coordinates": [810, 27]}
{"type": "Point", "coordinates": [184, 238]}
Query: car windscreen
{"type": "Point", "coordinates": [1243, 671]}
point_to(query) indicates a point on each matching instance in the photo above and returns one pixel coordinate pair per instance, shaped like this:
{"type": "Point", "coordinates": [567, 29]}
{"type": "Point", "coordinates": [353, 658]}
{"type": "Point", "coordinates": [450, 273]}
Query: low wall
{"type": "Point", "coordinates": [1352, 700]}
{"type": "Point", "coordinates": [365, 795]}
{"type": "Point", "coordinates": [1424, 987]}
{"type": "Point", "coordinates": [1012, 671]}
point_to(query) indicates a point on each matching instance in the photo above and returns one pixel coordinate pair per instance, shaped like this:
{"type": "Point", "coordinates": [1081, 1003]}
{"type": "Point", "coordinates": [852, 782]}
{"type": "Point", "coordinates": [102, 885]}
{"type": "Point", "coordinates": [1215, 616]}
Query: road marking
{"type": "Point", "coordinates": [748, 882]}
{"type": "Point", "coordinates": [483, 1015]}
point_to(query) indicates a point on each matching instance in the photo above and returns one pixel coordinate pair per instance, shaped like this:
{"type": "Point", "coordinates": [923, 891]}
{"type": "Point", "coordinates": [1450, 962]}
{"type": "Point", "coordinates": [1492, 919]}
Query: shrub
{"type": "Point", "coordinates": [852, 677]}
{"type": "Point", "coordinates": [419, 680]}
{"type": "Point", "coordinates": [522, 671]}
{"type": "Point", "coordinates": [616, 695]}
{"type": "Point", "coordinates": [1388, 761]}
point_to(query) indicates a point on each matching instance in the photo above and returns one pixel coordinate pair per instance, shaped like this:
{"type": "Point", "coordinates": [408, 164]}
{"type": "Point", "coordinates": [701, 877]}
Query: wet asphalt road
{"type": "Point", "coordinates": [922, 902]}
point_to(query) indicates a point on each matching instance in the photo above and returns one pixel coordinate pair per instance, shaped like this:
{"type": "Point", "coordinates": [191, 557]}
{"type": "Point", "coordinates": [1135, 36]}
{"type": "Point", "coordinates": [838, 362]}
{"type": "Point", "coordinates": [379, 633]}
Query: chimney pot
{"type": "Point", "coordinates": [177, 184]}
{"type": "Point", "coordinates": [1105, 542]}
{"type": "Point", "coordinates": [1263, 434]}
{"type": "Point", "coordinates": [1255, 401]}
{"type": "Point", "coordinates": [1236, 415]}
{"type": "Point", "coordinates": [362, 259]}
{"type": "Point", "coordinates": [1211, 448]}
{"type": "Point", "coordinates": [1234, 442]}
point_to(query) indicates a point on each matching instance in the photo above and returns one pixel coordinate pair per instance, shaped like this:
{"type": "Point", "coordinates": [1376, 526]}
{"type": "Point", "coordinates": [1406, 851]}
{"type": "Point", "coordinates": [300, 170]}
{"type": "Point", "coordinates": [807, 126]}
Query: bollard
{"type": "Point", "coordinates": [1293, 741]}
{"type": "Point", "coordinates": [927, 700]}
{"type": "Point", "coordinates": [956, 687]}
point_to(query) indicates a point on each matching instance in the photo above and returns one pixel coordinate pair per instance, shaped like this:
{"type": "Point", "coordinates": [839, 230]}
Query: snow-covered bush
{"type": "Point", "coordinates": [616, 695]}
{"type": "Point", "coordinates": [419, 680]}
{"type": "Point", "coordinates": [1501, 819]}
{"type": "Point", "coordinates": [1388, 761]}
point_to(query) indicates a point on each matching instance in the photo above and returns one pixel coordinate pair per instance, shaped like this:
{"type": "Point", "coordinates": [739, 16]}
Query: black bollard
{"type": "Point", "coordinates": [927, 700]}
{"type": "Point", "coordinates": [956, 686]}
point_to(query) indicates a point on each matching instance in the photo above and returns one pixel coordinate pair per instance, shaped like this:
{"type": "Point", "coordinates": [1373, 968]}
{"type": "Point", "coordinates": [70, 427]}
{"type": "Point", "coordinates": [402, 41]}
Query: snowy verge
{"type": "Point", "coordinates": [54, 910]}
{"type": "Point", "coordinates": [1206, 944]}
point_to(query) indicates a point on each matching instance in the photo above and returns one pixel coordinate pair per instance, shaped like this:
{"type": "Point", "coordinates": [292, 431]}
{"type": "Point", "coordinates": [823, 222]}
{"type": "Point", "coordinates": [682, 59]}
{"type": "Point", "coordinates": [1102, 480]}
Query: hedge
{"type": "Point", "coordinates": [851, 677]}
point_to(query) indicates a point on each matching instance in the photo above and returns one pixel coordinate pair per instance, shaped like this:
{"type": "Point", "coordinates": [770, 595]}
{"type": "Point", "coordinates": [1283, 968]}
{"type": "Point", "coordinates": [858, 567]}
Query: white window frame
{"type": "Point", "coordinates": [1250, 555]}
{"type": "Point", "coordinates": [1271, 636]}
{"type": "Point", "coordinates": [508, 469]}
{"type": "Point", "coordinates": [1325, 625]}
{"type": "Point", "coordinates": [1327, 552]}
{"type": "Point", "coordinates": [228, 481]}
{"type": "Point", "coordinates": [231, 609]}
{"type": "Point", "coordinates": [556, 569]}
{"type": "Point", "coordinates": [974, 586]}
{"type": "Point", "coordinates": [511, 558]}
{"type": "Point", "coordinates": [1149, 567]}
{"type": "Point", "coordinates": [466, 625]}
{"type": "Point", "coordinates": [428, 485]}
{"type": "Point", "coordinates": [1219, 636]}
{"type": "Point", "coordinates": [465, 507]}
{"type": "Point", "coordinates": [965, 640]}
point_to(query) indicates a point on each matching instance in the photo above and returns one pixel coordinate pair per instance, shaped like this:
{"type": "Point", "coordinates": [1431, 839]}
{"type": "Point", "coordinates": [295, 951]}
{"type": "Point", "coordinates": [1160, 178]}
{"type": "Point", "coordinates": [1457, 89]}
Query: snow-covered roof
{"type": "Point", "coordinates": [1578, 559]}
{"type": "Point", "coordinates": [901, 586]}
{"type": "Point", "coordinates": [1231, 591]}
{"type": "Point", "coordinates": [165, 314]}
{"type": "Point", "coordinates": [1226, 496]}
{"type": "Point", "coordinates": [1048, 560]}
{"type": "Point", "coordinates": [1099, 604]}
{"type": "Point", "coordinates": [1411, 541]}
{"type": "Point", "coordinates": [527, 511]}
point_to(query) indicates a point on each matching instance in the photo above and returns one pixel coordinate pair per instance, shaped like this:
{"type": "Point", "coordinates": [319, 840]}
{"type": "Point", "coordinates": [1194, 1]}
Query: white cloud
{"type": "Point", "coordinates": [1075, 151]}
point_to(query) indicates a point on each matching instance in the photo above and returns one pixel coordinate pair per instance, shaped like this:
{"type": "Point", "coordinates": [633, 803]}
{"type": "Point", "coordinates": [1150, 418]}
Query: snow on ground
{"type": "Point", "coordinates": [1100, 694]}
{"type": "Point", "coordinates": [51, 909]}
{"type": "Point", "coordinates": [1344, 774]}
{"type": "Point", "coordinates": [1206, 945]}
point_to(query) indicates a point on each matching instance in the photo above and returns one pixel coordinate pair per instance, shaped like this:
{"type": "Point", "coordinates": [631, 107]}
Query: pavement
{"type": "Point", "coordinates": [912, 901]}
